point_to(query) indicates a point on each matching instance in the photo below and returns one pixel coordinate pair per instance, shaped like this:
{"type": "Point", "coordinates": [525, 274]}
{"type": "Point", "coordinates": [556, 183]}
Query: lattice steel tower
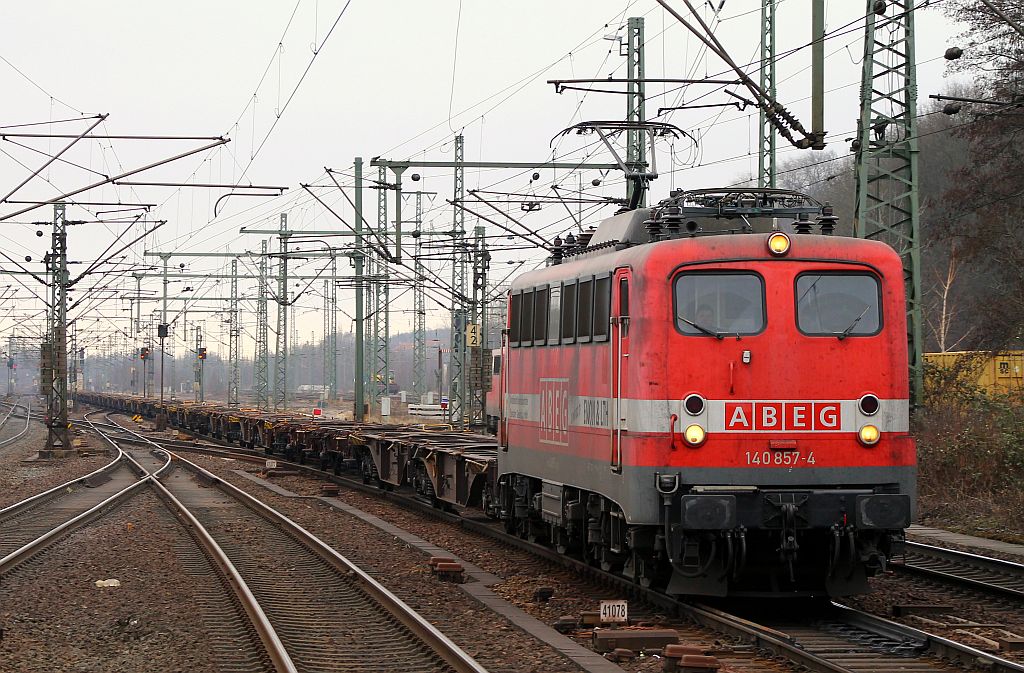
{"type": "Point", "coordinates": [261, 366]}
{"type": "Point", "coordinates": [886, 150]}
{"type": "Point", "coordinates": [332, 351]}
{"type": "Point", "coordinates": [234, 333]}
{"type": "Point", "coordinates": [419, 319]}
{"type": "Point", "coordinates": [636, 155]}
{"type": "Point", "coordinates": [766, 145]}
{"type": "Point", "coordinates": [281, 359]}
{"type": "Point", "coordinates": [478, 359]}
{"type": "Point", "coordinates": [381, 315]}
{"type": "Point", "coordinates": [56, 352]}
{"type": "Point", "coordinates": [458, 366]}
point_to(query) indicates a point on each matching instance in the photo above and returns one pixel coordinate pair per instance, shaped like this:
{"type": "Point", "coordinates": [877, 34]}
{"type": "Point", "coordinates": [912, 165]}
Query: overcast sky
{"type": "Point", "coordinates": [393, 78]}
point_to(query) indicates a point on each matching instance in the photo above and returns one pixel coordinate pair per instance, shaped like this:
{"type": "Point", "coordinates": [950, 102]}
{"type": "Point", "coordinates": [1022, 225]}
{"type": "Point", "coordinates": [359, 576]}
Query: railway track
{"type": "Point", "coordinates": [30, 525]}
{"type": "Point", "coordinates": [833, 638]}
{"type": "Point", "coordinates": [9, 415]}
{"type": "Point", "coordinates": [314, 609]}
{"type": "Point", "coordinates": [983, 573]}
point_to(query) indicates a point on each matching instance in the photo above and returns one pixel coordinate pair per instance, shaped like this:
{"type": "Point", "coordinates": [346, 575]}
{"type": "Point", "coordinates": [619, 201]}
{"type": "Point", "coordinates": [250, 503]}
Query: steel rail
{"type": "Point", "coordinates": [17, 507]}
{"type": "Point", "coordinates": [760, 635]}
{"type": "Point", "coordinates": [279, 656]}
{"type": "Point", "coordinates": [998, 569]}
{"type": "Point", "coordinates": [451, 653]}
{"type": "Point", "coordinates": [944, 648]}
{"type": "Point", "coordinates": [13, 406]}
{"type": "Point", "coordinates": [28, 420]}
{"type": "Point", "coordinates": [426, 632]}
{"type": "Point", "coordinates": [32, 548]}
{"type": "Point", "coordinates": [774, 641]}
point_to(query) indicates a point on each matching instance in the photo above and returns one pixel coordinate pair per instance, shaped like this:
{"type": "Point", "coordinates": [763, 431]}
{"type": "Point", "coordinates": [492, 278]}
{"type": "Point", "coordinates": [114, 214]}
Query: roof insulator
{"type": "Point", "coordinates": [827, 221]}
{"type": "Point", "coordinates": [653, 227]}
{"type": "Point", "coordinates": [803, 224]}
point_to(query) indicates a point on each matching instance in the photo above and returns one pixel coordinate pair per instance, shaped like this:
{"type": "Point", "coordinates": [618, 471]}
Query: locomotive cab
{"type": "Point", "coordinates": [794, 455]}
{"type": "Point", "coordinates": [711, 401]}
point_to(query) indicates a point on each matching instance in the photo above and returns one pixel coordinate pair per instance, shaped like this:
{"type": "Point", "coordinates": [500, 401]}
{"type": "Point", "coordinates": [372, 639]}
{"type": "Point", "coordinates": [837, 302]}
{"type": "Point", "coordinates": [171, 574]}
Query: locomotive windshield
{"type": "Point", "coordinates": [838, 304]}
{"type": "Point", "coordinates": [717, 304]}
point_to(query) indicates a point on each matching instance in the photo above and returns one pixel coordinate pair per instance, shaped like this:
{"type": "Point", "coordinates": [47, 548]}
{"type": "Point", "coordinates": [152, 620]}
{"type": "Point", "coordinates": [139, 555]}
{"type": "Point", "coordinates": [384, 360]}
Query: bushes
{"type": "Point", "coordinates": [971, 456]}
{"type": "Point", "coordinates": [972, 449]}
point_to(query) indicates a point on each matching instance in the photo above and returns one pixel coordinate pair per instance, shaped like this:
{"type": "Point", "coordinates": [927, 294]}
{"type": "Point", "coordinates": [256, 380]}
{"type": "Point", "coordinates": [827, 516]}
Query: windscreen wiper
{"type": "Point", "coordinates": [846, 332]}
{"type": "Point", "coordinates": [709, 332]}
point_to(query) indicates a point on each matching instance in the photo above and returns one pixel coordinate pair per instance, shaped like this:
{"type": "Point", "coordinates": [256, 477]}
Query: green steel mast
{"type": "Point", "coordinates": [886, 150]}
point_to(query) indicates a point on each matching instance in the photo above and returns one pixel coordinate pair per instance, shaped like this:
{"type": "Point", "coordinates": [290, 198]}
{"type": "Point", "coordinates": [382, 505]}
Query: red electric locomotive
{"type": "Point", "coordinates": [711, 396]}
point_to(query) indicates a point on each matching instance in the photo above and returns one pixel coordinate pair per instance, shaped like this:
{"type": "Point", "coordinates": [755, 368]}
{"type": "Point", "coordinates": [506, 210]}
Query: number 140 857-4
{"type": "Point", "coordinates": [779, 458]}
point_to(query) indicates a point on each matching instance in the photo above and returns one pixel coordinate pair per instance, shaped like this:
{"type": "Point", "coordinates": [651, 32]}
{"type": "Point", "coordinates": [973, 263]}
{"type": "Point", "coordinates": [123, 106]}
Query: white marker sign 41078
{"type": "Point", "coordinates": [614, 612]}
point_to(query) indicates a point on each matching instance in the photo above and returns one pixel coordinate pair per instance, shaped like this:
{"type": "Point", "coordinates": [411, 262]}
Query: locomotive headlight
{"type": "Point", "coordinates": [694, 435]}
{"type": "Point", "coordinates": [778, 244]}
{"type": "Point", "coordinates": [869, 435]}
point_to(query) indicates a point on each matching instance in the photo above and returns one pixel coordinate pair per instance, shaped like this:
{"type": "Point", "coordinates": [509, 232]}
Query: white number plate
{"type": "Point", "coordinates": [271, 464]}
{"type": "Point", "coordinates": [614, 612]}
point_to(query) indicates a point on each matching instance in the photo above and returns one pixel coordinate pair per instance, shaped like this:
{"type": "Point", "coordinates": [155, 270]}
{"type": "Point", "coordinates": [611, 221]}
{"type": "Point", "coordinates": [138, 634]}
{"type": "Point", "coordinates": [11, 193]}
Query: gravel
{"type": "Point", "coordinates": [498, 645]}
{"type": "Point", "coordinates": [967, 606]}
{"type": "Point", "coordinates": [21, 475]}
{"type": "Point", "coordinates": [55, 618]}
{"type": "Point", "coordinates": [981, 551]}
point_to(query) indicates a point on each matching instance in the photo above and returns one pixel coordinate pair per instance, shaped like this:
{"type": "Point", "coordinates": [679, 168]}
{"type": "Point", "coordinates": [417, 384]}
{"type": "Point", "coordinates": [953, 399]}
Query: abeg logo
{"type": "Point", "coordinates": [780, 416]}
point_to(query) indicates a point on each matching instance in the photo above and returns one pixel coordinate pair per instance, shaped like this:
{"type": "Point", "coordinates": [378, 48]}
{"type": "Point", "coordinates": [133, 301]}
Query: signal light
{"type": "Point", "coordinates": [202, 353]}
{"type": "Point", "coordinates": [869, 405]}
{"type": "Point", "coordinates": [143, 353]}
{"type": "Point", "coordinates": [778, 244]}
{"type": "Point", "coordinates": [694, 404]}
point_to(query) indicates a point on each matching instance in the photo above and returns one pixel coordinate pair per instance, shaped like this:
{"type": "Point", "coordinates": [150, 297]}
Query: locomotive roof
{"type": "Point", "coordinates": [723, 247]}
{"type": "Point", "coordinates": [705, 223]}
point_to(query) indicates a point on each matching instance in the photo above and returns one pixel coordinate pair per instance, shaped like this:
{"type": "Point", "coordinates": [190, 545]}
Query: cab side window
{"type": "Point", "coordinates": [526, 322]}
{"type": "Point", "coordinates": [569, 312]}
{"type": "Point", "coordinates": [515, 308]}
{"type": "Point", "coordinates": [584, 310]}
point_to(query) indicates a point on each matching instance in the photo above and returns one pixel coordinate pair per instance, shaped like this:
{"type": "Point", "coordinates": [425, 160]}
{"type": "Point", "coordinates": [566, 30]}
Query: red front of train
{"type": "Point", "coordinates": [713, 414]}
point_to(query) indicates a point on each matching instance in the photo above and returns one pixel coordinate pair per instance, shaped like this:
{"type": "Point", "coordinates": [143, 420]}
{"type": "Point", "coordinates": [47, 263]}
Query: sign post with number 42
{"type": "Point", "coordinates": [614, 612]}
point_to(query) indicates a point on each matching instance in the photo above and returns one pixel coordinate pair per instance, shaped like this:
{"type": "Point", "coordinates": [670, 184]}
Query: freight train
{"type": "Point", "coordinates": [710, 396]}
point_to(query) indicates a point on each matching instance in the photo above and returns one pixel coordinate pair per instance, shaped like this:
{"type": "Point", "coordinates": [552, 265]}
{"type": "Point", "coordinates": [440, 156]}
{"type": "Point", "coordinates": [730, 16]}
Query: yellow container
{"type": "Point", "coordinates": [1001, 372]}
